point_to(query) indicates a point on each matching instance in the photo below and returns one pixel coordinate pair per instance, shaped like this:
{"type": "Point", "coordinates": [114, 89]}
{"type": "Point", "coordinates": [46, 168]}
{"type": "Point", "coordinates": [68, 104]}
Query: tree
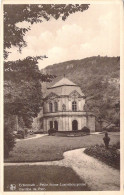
{"type": "Point", "coordinates": [32, 13]}
{"type": "Point", "coordinates": [23, 88]}
{"type": "Point", "coordinates": [9, 141]}
{"type": "Point", "coordinates": [117, 114]}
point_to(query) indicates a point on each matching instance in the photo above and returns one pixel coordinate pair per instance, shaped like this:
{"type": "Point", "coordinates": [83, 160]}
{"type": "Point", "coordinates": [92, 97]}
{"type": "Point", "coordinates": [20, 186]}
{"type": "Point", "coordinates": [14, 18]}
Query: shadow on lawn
{"type": "Point", "coordinates": [42, 178]}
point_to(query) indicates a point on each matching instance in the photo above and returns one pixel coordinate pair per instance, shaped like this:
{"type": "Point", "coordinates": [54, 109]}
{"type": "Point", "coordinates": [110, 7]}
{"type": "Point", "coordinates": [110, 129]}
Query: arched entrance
{"type": "Point", "coordinates": [51, 124]}
{"type": "Point", "coordinates": [74, 125]}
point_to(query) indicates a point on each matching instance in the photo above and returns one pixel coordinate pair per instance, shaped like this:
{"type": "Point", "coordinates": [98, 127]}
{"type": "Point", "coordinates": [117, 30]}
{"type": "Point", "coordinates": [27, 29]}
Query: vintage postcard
{"type": "Point", "coordinates": [62, 90]}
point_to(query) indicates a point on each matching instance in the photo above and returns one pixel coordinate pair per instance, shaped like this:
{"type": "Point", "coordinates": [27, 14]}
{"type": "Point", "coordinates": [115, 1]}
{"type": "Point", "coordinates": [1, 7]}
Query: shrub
{"type": "Point", "coordinates": [38, 132]}
{"type": "Point", "coordinates": [71, 133]}
{"type": "Point", "coordinates": [19, 136]}
{"type": "Point", "coordinates": [109, 156]}
{"type": "Point", "coordinates": [112, 129]}
{"type": "Point", "coordinates": [9, 141]}
{"type": "Point", "coordinates": [51, 131]}
{"type": "Point", "coordinates": [117, 145]}
{"type": "Point", "coordinates": [26, 131]}
{"type": "Point", "coordinates": [6, 150]}
{"type": "Point", "coordinates": [85, 129]}
{"type": "Point", "coordinates": [22, 133]}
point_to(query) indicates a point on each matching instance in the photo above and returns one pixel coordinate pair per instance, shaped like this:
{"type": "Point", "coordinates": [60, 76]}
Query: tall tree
{"type": "Point", "coordinates": [23, 88]}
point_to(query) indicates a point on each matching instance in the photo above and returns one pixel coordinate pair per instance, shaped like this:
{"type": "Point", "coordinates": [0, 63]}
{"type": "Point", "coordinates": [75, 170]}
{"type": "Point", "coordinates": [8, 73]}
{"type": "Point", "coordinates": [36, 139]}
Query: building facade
{"type": "Point", "coordinates": [63, 108]}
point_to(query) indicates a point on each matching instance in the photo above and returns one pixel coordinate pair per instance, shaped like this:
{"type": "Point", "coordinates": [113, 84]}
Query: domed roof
{"type": "Point", "coordinates": [63, 82]}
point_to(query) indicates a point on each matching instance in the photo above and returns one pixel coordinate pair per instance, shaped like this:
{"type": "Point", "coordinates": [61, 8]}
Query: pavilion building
{"type": "Point", "coordinates": [63, 108]}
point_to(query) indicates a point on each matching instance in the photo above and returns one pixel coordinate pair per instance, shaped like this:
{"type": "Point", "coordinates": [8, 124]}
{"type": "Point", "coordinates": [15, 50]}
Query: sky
{"type": "Point", "coordinates": [93, 32]}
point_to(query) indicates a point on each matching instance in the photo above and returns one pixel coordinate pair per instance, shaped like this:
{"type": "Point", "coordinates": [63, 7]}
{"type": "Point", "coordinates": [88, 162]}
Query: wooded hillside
{"type": "Point", "coordinates": [99, 80]}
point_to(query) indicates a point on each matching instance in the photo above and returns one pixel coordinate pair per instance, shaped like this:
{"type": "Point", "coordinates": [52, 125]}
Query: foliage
{"type": "Point", "coordinates": [22, 89]}
{"type": "Point", "coordinates": [38, 132]}
{"type": "Point", "coordinates": [22, 133]}
{"type": "Point", "coordinates": [32, 13]}
{"type": "Point", "coordinates": [26, 69]}
{"type": "Point", "coordinates": [9, 127]}
{"type": "Point", "coordinates": [19, 136]}
{"type": "Point", "coordinates": [9, 141]}
{"type": "Point", "coordinates": [6, 149]}
{"type": "Point", "coordinates": [26, 131]}
{"type": "Point", "coordinates": [116, 146]}
{"type": "Point", "coordinates": [109, 156]}
{"type": "Point", "coordinates": [10, 121]}
{"type": "Point", "coordinates": [98, 78]}
{"type": "Point", "coordinates": [52, 131]}
{"type": "Point", "coordinates": [112, 129]}
{"type": "Point", "coordinates": [85, 129]}
{"type": "Point", "coordinates": [71, 133]}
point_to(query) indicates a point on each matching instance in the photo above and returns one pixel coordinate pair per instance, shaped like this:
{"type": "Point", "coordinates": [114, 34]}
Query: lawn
{"type": "Point", "coordinates": [50, 148]}
{"type": "Point", "coordinates": [43, 178]}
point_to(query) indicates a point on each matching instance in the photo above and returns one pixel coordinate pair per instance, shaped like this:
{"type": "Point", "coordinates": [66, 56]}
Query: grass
{"type": "Point", "coordinates": [110, 156]}
{"type": "Point", "coordinates": [43, 178]}
{"type": "Point", "coordinates": [50, 148]}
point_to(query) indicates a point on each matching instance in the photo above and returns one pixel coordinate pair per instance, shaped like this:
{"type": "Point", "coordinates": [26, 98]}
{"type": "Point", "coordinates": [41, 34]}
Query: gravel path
{"type": "Point", "coordinates": [98, 176]}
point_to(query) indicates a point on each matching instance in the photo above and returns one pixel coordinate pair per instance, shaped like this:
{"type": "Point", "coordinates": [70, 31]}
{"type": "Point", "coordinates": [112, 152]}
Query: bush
{"type": "Point", "coordinates": [52, 131]}
{"type": "Point", "coordinates": [85, 129]}
{"type": "Point", "coordinates": [38, 132]}
{"type": "Point", "coordinates": [109, 156]}
{"type": "Point", "coordinates": [26, 131]}
{"type": "Point", "coordinates": [9, 141]}
{"type": "Point", "coordinates": [117, 145]}
{"type": "Point", "coordinates": [71, 133]}
{"type": "Point", "coordinates": [19, 136]}
{"type": "Point", "coordinates": [6, 150]}
{"type": "Point", "coordinates": [22, 133]}
{"type": "Point", "coordinates": [112, 129]}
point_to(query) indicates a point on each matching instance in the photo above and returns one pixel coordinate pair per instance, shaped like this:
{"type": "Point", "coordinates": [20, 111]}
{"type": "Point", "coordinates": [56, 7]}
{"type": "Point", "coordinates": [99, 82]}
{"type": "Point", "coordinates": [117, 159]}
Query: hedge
{"type": "Point", "coordinates": [109, 156]}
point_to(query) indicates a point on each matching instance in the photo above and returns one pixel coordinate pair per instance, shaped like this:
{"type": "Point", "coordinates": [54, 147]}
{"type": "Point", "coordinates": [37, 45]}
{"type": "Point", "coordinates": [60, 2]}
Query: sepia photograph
{"type": "Point", "coordinates": [62, 96]}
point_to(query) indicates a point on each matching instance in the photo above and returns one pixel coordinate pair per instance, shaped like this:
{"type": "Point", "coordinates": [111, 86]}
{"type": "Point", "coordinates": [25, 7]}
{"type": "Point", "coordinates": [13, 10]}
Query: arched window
{"type": "Point", "coordinates": [56, 106]}
{"type": "Point", "coordinates": [63, 107]}
{"type": "Point", "coordinates": [74, 106]}
{"type": "Point", "coordinates": [50, 107]}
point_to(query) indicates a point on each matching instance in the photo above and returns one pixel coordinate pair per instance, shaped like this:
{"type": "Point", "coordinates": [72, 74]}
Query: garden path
{"type": "Point", "coordinates": [98, 175]}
